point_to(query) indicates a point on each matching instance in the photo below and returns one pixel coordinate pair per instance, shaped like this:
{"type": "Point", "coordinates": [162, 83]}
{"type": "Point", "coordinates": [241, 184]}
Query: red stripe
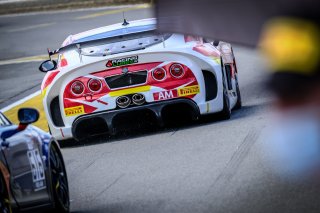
{"type": "Point", "coordinates": [61, 132]}
{"type": "Point", "coordinates": [102, 102]}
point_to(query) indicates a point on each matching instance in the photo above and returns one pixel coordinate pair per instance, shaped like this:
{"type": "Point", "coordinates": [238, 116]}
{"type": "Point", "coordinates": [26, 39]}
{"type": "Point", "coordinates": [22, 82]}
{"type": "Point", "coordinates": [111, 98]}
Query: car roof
{"type": "Point", "coordinates": [112, 30]}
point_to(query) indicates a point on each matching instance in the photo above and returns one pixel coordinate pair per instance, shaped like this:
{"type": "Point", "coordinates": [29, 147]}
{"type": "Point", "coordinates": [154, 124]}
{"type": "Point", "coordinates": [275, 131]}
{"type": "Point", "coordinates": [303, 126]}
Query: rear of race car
{"type": "Point", "coordinates": [86, 95]}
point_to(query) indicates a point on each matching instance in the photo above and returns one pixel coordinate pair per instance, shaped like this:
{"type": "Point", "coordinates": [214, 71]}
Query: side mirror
{"type": "Point", "coordinates": [48, 65]}
{"type": "Point", "coordinates": [28, 115]}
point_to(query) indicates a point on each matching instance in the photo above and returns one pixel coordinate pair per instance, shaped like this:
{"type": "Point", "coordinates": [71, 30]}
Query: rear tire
{"type": "Point", "coordinates": [225, 114]}
{"type": "Point", "coordinates": [59, 181]}
{"type": "Point", "coordinates": [239, 100]}
{"type": "Point", "coordinates": [5, 206]}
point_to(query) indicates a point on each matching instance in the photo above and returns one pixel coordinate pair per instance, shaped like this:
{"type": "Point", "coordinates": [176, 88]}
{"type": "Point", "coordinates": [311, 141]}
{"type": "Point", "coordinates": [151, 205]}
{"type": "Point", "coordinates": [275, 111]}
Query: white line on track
{"type": "Point", "coordinates": [21, 101]}
{"type": "Point", "coordinates": [30, 27]}
{"type": "Point", "coordinates": [11, 1]}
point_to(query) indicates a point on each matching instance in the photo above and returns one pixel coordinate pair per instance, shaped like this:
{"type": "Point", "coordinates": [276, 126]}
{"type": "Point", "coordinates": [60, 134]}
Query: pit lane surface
{"type": "Point", "coordinates": [209, 166]}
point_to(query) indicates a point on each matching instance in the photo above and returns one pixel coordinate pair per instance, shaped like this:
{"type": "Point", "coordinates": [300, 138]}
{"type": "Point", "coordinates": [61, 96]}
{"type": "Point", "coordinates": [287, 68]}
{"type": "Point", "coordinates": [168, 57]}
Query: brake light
{"type": "Point", "coordinates": [77, 88]}
{"type": "Point", "coordinates": [94, 85]}
{"type": "Point", "coordinates": [176, 70]}
{"type": "Point", "coordinates": [159, 74]}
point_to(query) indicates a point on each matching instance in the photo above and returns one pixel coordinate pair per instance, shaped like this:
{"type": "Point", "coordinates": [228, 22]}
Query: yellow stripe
{"type": "Point", "coordinates": [27, 59]}
{"type": "Point", "coordinates": [35, 102]}
{"type": "Point", "coordinates": [44, 92]}
{"type": "Point", "coordinates": [109, 12]}
{"type": "Point", "coordinates": [130, 91]}
{"type": "Point", "coordinates": [30, 27]}
{"type": "Point", "coordinates": [218, 60]}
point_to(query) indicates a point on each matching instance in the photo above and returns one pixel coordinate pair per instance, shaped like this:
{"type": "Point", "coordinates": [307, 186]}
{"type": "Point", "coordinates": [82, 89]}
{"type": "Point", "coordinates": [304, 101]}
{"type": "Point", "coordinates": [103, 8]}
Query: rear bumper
{"type": "Point", "coordinates": [104, 121]}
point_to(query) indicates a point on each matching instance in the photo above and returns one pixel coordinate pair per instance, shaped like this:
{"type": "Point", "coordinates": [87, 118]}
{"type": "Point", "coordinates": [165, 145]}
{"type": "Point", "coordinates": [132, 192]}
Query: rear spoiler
{"type": "Point", "coordinates": [97, 42]}
{"type": "Point", "coordinates": [78, 46]}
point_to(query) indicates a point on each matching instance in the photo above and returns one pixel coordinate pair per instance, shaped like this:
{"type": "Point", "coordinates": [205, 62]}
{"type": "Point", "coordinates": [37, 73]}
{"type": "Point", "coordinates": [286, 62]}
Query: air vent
{"type": "Point", "coordinates": [210, 84]}
{"type": "Point", "coordinates": [56, 113]}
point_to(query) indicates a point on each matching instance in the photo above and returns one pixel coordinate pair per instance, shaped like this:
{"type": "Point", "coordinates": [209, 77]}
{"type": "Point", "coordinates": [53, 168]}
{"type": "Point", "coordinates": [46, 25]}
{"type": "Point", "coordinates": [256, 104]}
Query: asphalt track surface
{"type": "Point", "coordinates": [206, 166]}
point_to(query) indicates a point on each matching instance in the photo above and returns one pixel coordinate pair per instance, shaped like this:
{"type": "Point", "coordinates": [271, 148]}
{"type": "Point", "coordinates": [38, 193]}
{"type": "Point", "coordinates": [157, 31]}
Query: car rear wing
{"type": "Point", "coordinates": [80, 45]}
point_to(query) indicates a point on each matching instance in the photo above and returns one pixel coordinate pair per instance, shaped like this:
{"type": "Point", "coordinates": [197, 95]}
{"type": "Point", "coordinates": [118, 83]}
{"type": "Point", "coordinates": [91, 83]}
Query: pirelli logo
{"type": "Point", "coordinates": [186, 91]}
{"type": "Point", "coordinates": [73, 111]}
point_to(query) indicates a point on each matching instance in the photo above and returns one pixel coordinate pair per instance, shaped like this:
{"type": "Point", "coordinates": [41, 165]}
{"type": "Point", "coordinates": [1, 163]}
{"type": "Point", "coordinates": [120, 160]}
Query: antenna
{"type": "Point", "coordinates": [49, 53]}
{"type": "Point", "coordinates": [125, 23]}
{"type": "Point", "coordinates": [79, 51]}
{"type": "Point", "coordinates": [163, 42]}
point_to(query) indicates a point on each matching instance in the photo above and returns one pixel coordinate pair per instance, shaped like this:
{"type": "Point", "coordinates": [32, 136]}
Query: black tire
{"type": "Point", "coordinates": [239, 99]}
{"type": "Point", "coordinates": [225, 114]}
{"type": "Point", "coordinates": [49, 130]}
{"type": "Point", "coordinates": [69, 143]}
{"type": "Point", "coordinates": [5, 206]}
{"type": "Point", "coordinates": [59, 181]}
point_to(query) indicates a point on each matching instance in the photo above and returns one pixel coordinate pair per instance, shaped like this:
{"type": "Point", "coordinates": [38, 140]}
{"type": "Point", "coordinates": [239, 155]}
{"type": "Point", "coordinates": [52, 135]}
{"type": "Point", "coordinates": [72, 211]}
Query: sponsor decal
{"type": "Point", "coordinates": [169, 94]}
{"type": "Point", "coordinates": [186, 91]}
{"type": "Point", "coordinates": [164, 95]}
{"type": "Point", "coordinates": [72, 111]}
{"type": "Point", "coordinates": [122, 61]}
{"type": "Point", "coordinates": [37, 168]}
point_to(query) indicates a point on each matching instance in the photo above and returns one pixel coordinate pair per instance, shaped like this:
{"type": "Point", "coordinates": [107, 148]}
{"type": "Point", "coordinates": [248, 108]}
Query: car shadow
{"type": "Point", "coordinates": [172, 124]}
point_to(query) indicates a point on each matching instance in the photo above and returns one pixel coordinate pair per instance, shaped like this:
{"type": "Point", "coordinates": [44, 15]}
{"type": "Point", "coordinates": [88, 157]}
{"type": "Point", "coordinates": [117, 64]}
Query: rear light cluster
{"type": "Point", "coordinates": [77, 87]}
{"type": "Point", "coordinates": [176, 71]}
{"type": "Point", "coordinates": [95, 85]}
{"type": "Point", "coordinates": [159, 74]}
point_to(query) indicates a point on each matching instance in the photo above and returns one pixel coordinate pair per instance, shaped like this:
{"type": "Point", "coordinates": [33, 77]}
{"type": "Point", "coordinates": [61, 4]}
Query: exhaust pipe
{"type": "Point", "coordinates": [123, 101]}
{"type": "Point", "coordinates": [138, 99]}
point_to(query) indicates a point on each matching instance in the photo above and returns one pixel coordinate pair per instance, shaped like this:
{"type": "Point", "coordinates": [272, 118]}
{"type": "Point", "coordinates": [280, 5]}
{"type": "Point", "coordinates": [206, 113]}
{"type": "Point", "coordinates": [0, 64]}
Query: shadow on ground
{"type": "Point", "coordinates": [173, 123]}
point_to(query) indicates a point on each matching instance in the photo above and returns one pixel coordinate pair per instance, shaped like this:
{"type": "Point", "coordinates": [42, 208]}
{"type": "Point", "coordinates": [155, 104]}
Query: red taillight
{"type": "Point", "coordinates": [95, 85]}
{"type": "Point", "coordinates": [159, 74]}
{"type": "Point", "coordinates": [176, 70]}
{"type": "Point", "coordinates": [77, 88]}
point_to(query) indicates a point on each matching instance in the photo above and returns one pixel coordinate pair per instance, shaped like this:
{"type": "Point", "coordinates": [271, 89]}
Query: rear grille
{"type": "Point", "coordinates": [125, 80]}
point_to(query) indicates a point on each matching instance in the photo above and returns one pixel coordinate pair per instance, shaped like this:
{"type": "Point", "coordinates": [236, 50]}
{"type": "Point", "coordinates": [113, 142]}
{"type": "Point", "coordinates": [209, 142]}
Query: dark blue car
{"type": "Point", "coordinates": [32, 171]}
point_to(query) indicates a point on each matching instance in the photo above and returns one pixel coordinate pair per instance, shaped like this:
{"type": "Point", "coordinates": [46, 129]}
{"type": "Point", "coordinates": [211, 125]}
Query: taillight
{"type": "Point", "coordinates": [94, 85]}
{"type": "Point", "coordinates": [159, 74]}
{"type": "Point", "coordinates": [176, 70]}
{"type": "Point", "coordinates": [77, 88]}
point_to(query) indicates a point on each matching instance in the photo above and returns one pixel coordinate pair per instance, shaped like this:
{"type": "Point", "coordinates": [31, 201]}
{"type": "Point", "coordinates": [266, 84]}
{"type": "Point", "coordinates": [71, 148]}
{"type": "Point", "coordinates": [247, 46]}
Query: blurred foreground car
{"type": "Point", "coordinates": [108, 73]}
{"type": "Point", "coordinates": [32, 171]}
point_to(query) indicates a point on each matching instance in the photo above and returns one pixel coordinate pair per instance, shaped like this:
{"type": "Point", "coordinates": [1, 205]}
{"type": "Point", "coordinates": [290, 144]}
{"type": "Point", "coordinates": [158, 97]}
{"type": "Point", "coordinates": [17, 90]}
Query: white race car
{"type": "Point", "coordinates": [125, 69]}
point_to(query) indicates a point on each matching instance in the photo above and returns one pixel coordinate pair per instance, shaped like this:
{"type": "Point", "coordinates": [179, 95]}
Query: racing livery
{"type": "Point", "coordinates": [32, 171]}
{"type": "Point", "coordinates": [126, 68]}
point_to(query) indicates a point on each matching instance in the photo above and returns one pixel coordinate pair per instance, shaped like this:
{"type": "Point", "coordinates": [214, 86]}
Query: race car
{"type": "Point", "coordinates": [106, 74]}
{"type": "Point", "coordinates": [32, 171]}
